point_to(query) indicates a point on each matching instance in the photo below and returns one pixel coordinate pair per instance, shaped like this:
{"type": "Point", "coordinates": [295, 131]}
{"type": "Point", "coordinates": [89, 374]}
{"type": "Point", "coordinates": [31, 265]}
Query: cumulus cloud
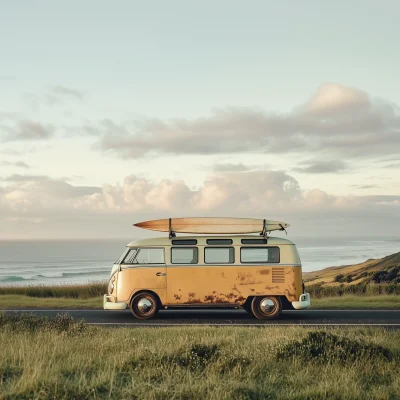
{"type": "Point", "coordinates": [336, 120]}
{"type": "Point", "coordinates": [63, 207]}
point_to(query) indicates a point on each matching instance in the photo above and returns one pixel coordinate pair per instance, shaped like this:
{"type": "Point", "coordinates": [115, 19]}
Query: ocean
{"type": "Point", "coordinates": [73, 261]}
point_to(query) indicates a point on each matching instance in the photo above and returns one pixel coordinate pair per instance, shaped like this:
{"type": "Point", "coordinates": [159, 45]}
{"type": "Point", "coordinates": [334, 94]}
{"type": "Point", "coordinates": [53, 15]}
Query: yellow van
{"type": "Point", "coordinates": [259, 273]}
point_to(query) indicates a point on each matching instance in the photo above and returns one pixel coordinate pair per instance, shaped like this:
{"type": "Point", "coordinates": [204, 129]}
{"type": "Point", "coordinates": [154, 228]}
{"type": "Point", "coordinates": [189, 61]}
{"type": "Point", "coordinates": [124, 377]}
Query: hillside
{"type": "Point", "coordinates": [382, 270]}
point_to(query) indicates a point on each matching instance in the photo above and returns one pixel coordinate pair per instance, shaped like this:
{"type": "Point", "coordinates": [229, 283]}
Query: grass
{"type": "Point", "coordinates": [79, 291]}
{"type": "Point", "coordinates": [341, 302]}
{"type": "Point", "coordinates": [61, 360]}
{"type": "Point", "coordinates": [23, 301]}
{"type": "Point", "coordinates": [362, 289]}
{"type": "Point", "coordinates": [90, 295]}
{"type": "Point", "coordinates": [357, 301]}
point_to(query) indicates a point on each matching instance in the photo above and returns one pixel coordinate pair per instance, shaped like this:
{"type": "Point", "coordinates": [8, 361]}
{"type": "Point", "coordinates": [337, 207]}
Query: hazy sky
{"type": "Point", "coordinates": [114, 112]}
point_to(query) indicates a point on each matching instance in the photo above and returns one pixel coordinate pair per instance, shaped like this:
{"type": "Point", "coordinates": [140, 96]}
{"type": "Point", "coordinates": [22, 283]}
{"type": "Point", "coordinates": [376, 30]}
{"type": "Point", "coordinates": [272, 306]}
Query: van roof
{"type": "Point", "coordinates": [202, 240]}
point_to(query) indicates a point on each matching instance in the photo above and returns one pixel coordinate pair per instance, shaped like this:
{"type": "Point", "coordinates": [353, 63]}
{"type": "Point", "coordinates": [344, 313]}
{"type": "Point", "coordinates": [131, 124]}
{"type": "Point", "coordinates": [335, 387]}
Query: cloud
{"type": "Point", "coordinates": [64, 91]}
{"type": "Point", "coordinates": [230, 167]}
{"type": "Point", "coordinates": [322, 167]}
{"type": "Point", "coordinates": [58, 94]}
{"type": "Point", "coordinates": [24, 129]}
{"type": "Point", "coordinates": [336, 120]}
{"type": "Point", "coordinates": [10, 152]}
{"type": "Point", "coordinates": [111, 209]}
{"type": "Point", "coordinates": [18, 164]}
{"type": "Point", "coordinates": [366, 186]}
{"type": "Point", "coordinates": [333, 99]}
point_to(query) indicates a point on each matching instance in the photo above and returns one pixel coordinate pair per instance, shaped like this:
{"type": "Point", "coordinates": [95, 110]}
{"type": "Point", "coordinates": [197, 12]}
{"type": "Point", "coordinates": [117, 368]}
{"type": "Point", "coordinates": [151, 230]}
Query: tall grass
{"type": "Point", "coordinates": [79, 291]}
{"type": "Point", "coordinates": [362, 289]}
{"type": "Point", "coordinates": [96, 289]}
{"type": "Point", "coordinates": [64, 362]}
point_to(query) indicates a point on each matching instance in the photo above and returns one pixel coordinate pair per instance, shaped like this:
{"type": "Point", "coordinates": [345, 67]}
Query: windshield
{"type": "Point", "coordinates": [123, 255]}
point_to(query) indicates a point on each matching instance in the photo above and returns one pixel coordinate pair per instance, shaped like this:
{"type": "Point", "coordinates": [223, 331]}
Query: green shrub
{"type": "Point", "coordinates": [31, 323]}
{"type": "Point", "coordinates": [324, 347]}
{"type": "Point", "coordinates": [198, 357]}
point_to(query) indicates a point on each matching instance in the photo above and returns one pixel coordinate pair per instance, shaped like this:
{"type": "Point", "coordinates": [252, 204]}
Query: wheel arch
{"type": "Point", "coordinates": [286, 304]}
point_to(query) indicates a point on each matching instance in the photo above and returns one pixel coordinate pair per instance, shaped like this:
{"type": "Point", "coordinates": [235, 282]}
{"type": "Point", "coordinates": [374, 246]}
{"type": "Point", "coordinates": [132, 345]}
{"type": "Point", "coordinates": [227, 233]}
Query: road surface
{"type": "Point", "coordinates": [378, 318]}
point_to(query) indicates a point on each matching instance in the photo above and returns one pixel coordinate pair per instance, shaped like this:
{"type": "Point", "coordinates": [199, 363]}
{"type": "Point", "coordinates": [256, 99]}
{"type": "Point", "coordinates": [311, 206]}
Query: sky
{"type": "Point", "coordinates": [117, 112]}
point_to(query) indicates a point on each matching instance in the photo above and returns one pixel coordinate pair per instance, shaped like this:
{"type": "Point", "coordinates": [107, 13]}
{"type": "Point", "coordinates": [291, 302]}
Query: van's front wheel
{"type": "Point", "coordinates": [266, 307]}
{"type": "Point", "coordinates": [144, 306]}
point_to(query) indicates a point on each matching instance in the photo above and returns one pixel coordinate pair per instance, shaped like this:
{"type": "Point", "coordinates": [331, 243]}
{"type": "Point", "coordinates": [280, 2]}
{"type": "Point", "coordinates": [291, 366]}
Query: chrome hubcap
{"type": "Point", "coordinates": [267, 305]}
{"type": "Point", "coordinates": [144, 305]}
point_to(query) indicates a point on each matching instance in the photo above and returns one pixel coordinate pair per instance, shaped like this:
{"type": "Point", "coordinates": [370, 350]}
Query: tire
{"type": "Point", "coordinates": [144, 305]}
{"type": "Point", "coordinates": [266, 307]}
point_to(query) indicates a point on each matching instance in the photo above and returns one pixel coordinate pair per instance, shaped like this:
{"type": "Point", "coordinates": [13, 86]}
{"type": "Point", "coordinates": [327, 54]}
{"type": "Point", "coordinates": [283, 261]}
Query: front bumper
{"type": "Point", "coordinates": [109, 303]}
{"type": "Point", "coordinates": [304, 302]}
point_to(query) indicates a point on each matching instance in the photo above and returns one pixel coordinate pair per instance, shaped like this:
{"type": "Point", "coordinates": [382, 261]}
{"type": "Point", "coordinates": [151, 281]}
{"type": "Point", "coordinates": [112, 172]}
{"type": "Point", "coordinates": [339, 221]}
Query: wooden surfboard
{"type": "Point", "coordinates": [212, 225]}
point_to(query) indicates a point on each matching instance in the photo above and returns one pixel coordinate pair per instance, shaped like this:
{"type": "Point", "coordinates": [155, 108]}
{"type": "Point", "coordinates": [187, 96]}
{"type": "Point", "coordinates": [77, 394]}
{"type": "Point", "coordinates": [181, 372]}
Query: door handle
{"type": "Point", "coordinates": [161, 274]}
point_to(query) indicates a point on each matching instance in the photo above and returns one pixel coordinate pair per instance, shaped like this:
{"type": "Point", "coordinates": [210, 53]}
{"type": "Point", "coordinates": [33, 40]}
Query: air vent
{"type": "Point", "coordinates": [278, 275]}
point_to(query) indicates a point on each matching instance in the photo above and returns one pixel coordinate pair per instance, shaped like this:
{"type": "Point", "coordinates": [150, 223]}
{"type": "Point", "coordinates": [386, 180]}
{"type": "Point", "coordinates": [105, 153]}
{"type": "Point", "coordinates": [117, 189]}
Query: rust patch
{"type": "Point", "coordinates": [193, 301]}
{"type": "Point", "coordinates": [265, 271]}
{"type": "Point", "coordinates": [177, 297]}
{"type": "Point", "coordinates": [219, 300]}
{"type": "Point", "coordinates": [240, 299]}
{"type": "Point", "coordinates": [209, 298]}
{"type": "Point", "coordinates": [191, 294]}
{"type": "Point", "coordinates": [252, 290]}
{"type": "Point", "coordinates": [222, 274]}
{"type": "Point", "coordinates": [235, 288]}
{"type": "Point", "coordinates": [271, 287]}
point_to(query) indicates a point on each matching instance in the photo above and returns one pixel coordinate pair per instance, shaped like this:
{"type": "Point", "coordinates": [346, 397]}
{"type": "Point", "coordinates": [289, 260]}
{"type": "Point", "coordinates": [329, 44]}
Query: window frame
{"type": "Point", "coordinates": [186, 248]}
{"type": "Point", "coordinates": [146, 247]}
{"type": "Point", "coordinates": [256, 241]}
{"type": "Point", "coordinates": [260, 262]}
{"type": "Point", "coordinates": [219, 244]}
{"type": "Point", "coordinates": [220, 247]}
{"type": "Point", "coordinates": [175, 242]}
{"type": "Point", "coordinates": [122, 257]}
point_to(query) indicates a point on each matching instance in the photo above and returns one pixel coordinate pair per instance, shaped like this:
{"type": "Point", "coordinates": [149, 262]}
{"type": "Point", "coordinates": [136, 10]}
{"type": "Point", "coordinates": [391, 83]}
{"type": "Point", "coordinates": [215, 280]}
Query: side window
{"type": "Point", "coordinates": [219, 255]}
{"type": "Point", "coordinates": [184, 255]}
{"type": "Point", "coordinates": [259, 254]}
{"type": "Point", "coordinates": [145, 256]}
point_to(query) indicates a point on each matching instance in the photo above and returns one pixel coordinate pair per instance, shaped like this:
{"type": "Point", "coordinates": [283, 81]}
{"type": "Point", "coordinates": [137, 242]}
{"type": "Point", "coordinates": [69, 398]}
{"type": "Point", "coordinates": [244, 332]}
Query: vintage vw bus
{"type": "Point", "coordinates": [259, 273]}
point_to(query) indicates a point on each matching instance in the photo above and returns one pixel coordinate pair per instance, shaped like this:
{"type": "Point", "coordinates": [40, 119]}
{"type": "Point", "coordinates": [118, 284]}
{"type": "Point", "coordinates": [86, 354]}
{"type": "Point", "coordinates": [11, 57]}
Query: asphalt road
{"type": "Point", "coordinates": [378, 318]}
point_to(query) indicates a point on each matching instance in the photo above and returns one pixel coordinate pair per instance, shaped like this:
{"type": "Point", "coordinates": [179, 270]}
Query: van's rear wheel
{"type": "Point", "coordinates": [144, 305]}
{"type": "Point", "coordinates": [266, 307]}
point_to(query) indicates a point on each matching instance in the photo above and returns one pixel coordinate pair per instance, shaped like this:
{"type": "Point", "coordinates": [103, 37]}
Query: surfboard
{"type": "Point", "coordinates": [212, 225]}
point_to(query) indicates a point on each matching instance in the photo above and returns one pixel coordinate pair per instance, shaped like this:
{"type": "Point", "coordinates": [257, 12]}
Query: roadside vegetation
{"type": "Point", "coordinates": [63, 359]}
{"type": "Point", "coordinates": [80, 291]}
{"type": "Point", "coordinates": [90, 295]}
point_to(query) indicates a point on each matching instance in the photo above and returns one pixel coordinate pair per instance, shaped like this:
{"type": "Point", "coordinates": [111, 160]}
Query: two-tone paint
{"type": "Point", "coordinates": [209, 285]}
